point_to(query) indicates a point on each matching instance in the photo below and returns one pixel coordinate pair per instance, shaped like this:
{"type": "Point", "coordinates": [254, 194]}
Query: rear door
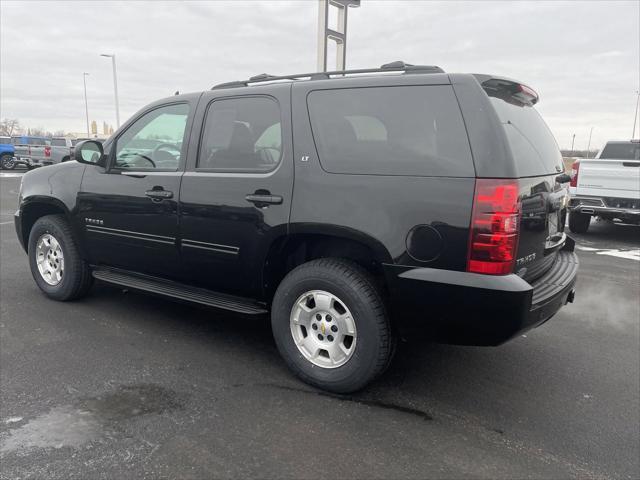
{"type": "Point", "coordinates": [236, 193]}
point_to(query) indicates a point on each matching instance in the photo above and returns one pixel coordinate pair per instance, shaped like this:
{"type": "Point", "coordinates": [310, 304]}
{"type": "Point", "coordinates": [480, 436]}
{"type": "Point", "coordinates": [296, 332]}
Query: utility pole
{"type": "Point", "coordinates": [115, 84]}
{"type": "Point", "coordinates": [339, 36]}
{"type": "Point", "coordinates": [635, 117]}
{"type": "Point", "coordinates": [86, 105]}
{"type": "Point", "coordinates": [573, 140]}
{"type": "Point", "coordinates": [589, 144]}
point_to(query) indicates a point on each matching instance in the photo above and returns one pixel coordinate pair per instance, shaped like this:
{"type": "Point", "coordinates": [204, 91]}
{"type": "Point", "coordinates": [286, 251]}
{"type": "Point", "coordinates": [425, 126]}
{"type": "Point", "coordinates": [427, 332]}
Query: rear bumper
{"type": "Point", "coordinates": [598, 207]}
{"type": "Point", "coordinates": [473, 309]}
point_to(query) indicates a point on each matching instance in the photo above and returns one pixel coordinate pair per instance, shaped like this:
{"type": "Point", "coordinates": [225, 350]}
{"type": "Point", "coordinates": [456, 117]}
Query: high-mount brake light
{"type": "Point", "coordinates": [495, 226]}
{"type": "Point", "coordinates": [527, 94]}
{"type": "Point", "coordinates": [575, 170]}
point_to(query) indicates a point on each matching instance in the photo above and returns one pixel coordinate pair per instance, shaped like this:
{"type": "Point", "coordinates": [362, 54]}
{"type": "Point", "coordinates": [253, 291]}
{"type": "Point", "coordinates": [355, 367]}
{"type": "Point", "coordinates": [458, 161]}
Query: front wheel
{"type": "Point", "coordinates": [330, 325]}
{"type": "Point", "coordinates": [56, 264]}
{"type": "Point", "coordinates": [579, 222]}
{"type": "Point", "coordinates": [7, 162]}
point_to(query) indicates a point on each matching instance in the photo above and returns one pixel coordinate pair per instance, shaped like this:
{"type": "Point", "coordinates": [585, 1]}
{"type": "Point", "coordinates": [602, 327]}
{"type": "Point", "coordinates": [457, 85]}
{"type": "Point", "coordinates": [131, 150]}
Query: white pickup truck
{"type": "Point", "coordinates": [607, 186]}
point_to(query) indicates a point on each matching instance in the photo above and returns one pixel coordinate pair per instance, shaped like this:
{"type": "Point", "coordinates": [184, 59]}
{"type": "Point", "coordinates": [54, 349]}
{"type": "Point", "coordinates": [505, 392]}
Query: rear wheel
{"type": "Point", "coordinates": [7, 162]}
{"type": "Point", "coordinates": [65, 159]}
{"type": "Point", "coordinates": [330, 325]}
{"type": "Point", "coordinates": [56, 264]}
{"type": "Point", "coordinates": [579, 222]}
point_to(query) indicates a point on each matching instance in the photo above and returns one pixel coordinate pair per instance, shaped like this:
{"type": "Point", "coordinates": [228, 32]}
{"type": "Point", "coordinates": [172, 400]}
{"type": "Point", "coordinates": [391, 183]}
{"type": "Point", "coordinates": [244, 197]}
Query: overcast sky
{"type": "Point", "coordinates": [582, 58]}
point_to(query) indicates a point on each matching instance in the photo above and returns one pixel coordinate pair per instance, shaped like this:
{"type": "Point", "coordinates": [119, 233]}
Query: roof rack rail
{"type": "Point", "coordinates": [398, 66]}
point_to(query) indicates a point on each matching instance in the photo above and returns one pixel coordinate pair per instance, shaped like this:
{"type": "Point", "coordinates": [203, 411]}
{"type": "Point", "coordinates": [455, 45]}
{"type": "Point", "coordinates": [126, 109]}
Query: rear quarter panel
{"type": "Point", "coordinates": [381, 208]}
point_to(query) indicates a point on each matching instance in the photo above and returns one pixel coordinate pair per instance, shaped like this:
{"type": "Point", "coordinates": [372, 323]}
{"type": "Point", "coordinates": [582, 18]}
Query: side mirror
{"type": "Point", "coordinates": [89, 152]}
{"type": "Point", "coordinates": [564, 178]}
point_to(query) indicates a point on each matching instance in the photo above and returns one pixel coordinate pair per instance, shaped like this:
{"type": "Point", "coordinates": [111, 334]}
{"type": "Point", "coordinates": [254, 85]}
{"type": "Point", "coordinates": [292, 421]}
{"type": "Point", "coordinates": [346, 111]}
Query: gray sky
{"type": "Point", "coordinates": [582, 58]}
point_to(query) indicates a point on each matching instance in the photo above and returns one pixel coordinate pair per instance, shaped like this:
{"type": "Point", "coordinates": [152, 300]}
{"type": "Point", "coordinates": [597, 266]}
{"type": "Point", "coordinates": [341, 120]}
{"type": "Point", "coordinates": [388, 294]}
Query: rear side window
{"type": "Point", "coordinates": [414, 130]}
{"type": "Point", "coordinates": [534, 148]}
{"type": "Point", "coordinates": [241, 135]}
{"type": "Point", "coordinates": [621, 151]}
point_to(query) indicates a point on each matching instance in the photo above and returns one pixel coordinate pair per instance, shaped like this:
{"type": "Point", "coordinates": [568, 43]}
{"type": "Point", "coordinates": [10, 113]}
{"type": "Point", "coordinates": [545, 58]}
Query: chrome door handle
{"type": "Point", "coordinates": [263, 199]}
{"type": "Point", "coordinates": [158, 194]}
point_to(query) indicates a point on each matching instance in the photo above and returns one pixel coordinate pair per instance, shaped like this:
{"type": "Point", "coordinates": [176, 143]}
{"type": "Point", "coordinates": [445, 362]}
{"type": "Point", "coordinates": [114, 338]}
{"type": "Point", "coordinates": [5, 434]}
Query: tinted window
{"type": "Point", "coordinates": [36, 141]}
{"type": "Point", "coordinates": [621, 151]}
{"type": "Point", "coordinates": [390, 131]}
{"type": "Point", "coordinates": [154, 140]}
{"type": "Point", "coordinates": [58, 142]}
{"type": "Point", "coordinates": [241, 135]}
{"type": "Point", "coordinates": [534, 149]}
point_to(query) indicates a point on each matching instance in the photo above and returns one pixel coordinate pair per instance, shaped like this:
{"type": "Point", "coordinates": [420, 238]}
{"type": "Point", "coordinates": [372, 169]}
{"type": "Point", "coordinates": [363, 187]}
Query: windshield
{"type": "Point", "coordinates": [621, 151]}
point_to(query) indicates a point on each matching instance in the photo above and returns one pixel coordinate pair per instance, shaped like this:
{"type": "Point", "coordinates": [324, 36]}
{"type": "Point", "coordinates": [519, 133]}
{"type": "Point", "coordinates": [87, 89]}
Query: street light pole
{"type": "Point", "coordinates": [573, 140]}
{"type": "Point", "coordinates": [115, 85]}
{"type": "Point", "coordinates": [635, 117]}
{"type": "Point", "coordinates": [86, 105]}
{"type": "Point", "coordinates": [589, 144]}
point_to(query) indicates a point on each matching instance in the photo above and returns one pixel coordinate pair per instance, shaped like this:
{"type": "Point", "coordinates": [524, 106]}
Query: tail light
{"type": "Point", "coordinates": [47, 151]}
{"type": "Point", "coordinates": [575, 169]}
{"type": "Point", "coordinates": [495, 223]}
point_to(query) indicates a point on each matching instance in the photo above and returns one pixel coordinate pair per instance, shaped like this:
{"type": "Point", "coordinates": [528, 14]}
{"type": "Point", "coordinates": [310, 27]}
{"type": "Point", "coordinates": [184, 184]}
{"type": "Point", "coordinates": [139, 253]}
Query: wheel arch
{"type": "Point", "coordinates": [38, 207]}
{"type": "Point", "coordinates": [308, 242]}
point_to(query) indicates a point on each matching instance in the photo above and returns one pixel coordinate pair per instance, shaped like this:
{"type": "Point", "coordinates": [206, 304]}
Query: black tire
{"type": "Point", "coordinates": [65, 159]}
{"type": "Point", "coordinates": [76, 279]}
{"type": "Point", "coordinates": [357, 289]}
{"type": "Point", "coordinates": [7, 162]}
{"type": "Point", "coordinates": [579, 222]}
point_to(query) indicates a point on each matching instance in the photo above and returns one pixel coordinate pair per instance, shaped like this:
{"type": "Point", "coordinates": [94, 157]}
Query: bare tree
{"type": "Point", "coordinates": [37, 132]}
{"type": "Point", "coordinates": [9, 126]}
{"type": "Point", "coordinates": [59, 133]}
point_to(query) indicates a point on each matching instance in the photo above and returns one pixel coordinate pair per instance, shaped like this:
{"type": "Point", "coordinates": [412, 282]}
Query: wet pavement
{"type": "Point", "coordinates": [123, 385]}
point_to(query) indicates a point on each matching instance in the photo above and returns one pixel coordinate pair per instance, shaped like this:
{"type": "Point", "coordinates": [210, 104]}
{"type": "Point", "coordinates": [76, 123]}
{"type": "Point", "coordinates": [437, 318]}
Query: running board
{"type": "Point", "coordinates": [179, 291]}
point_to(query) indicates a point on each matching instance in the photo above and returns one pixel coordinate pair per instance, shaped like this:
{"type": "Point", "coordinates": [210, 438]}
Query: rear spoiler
{"type": "Point", "coordinates": [508, 90]}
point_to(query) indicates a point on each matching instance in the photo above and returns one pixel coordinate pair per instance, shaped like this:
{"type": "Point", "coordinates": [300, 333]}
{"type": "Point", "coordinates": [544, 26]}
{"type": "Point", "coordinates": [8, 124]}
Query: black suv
{"type": "Point", "coordinates": [353, 206]}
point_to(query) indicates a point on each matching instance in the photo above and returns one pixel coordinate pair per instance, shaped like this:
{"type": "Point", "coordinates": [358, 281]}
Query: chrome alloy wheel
{"type": "Point", "coordinates": [49, 259]}
{"type": "Point", "coordinates": [323, 329]}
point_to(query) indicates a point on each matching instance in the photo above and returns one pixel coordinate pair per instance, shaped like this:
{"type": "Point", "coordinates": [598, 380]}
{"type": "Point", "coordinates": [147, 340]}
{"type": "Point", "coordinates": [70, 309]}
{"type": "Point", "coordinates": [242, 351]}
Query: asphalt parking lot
{"type": "Point", "coordinates": [123, 385]}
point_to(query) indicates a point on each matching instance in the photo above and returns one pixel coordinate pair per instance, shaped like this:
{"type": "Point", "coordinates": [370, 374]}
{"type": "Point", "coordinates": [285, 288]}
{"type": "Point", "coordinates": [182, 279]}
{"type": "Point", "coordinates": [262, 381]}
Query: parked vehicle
{"type": "Point", "coordinates": [61, 149]}
{"type": "Point", "coordinates": [353, 206]}
{"type": "Point", "coordinates": [32, 151]}
{"type": "Point", "coordinates": [7, 154]}
{"type": "Point", "coordinates": [607, 186]}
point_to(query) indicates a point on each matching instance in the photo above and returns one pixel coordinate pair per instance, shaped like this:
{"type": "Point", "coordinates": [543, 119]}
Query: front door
{"type": "Point", "coordinates": [236, 192]}
{"type": "Point", "coordinates": [129, 210]}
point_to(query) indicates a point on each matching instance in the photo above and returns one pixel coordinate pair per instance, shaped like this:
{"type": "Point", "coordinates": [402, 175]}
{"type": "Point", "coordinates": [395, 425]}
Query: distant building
{"type": "Point", "coordinates": [107, 131]}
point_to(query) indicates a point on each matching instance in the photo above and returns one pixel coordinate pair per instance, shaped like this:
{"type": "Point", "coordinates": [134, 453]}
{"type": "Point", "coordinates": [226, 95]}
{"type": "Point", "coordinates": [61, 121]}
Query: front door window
{"type": "Point", "coordinates": [155, 141]}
